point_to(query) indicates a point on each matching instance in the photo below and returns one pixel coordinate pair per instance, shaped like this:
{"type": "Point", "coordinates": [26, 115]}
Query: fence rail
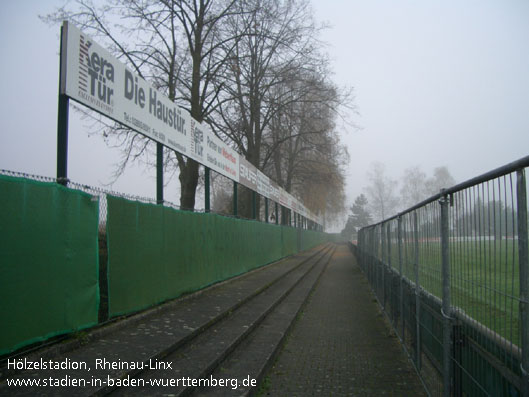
{"type": "Point", "coordinates": [452, 274]}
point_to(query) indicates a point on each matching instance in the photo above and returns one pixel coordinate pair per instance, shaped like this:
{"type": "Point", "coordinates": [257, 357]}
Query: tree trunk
{"type": "Point", "coordinates": [188, 184]}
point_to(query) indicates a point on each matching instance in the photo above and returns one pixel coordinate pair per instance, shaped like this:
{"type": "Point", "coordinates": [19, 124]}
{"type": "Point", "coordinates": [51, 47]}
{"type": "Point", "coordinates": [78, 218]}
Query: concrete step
{"type": "Point", "coordinates": [198, 358]}
{"type": "Point", "coordinates": [147, 337]}
{"type": "Point", "coordinates": [256, 353]}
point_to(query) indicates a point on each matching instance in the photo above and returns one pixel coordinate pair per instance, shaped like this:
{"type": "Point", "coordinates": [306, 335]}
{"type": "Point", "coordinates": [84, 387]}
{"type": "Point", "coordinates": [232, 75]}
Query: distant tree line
{"type": "Point", "coordinates": [382, 199]}
{"type": "Point", "coordinates": [477, 213]}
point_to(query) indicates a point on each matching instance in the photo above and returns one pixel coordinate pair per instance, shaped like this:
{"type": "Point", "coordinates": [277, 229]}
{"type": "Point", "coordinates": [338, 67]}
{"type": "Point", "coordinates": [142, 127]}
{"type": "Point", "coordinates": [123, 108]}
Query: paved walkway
{"type": "Point", "coordinates": [341, 344]}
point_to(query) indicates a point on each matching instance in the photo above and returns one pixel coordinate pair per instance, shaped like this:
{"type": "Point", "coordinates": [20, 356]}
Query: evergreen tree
{"type": "Point", "coordinates": [359, 218]}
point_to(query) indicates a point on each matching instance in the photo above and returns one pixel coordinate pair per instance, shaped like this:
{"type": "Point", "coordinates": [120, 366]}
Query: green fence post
{"type": "Point", "coordinates": [159, 173]}
{"type": "Point", "coordinates": [62, 121]}
{"type": "Point", "coordinates": [235, 198]}
{"type": "Point", "coordinates": [378, 259]}
{"type": "Point", "coordinates": [277, 213]}
{"type": "Point", "coordinates": [390, 273]}
{"type": "Point", "coordinates": [207, 203]}
{"type": "Point", "coordinates": [383, 261]}
{"type": "Point", "coordinates": [254, 204]}
{"type": "Point", "coordinates": [266, 209]}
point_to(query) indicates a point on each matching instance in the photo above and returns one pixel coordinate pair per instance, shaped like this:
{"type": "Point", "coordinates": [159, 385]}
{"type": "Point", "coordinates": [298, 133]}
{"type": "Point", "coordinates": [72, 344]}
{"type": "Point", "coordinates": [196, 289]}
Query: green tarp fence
{"type": "Point", "coordinates": [48, 261]}
{"type": "Point", "coordinates": [157, 253]}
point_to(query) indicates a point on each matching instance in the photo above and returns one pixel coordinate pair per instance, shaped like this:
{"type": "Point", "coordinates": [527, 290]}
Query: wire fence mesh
{"type": "Point", "coordinates": [451, 274]}
{"type": "Point", "coordinates": [101, 194]}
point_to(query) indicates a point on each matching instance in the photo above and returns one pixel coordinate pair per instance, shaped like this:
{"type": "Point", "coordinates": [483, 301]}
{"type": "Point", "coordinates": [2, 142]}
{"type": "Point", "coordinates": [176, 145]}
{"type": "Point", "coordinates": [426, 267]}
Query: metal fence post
{"type": "Point", "coordinates": [417, 292]}
{"type": "Point", "coordinates": [159, 173]}
{"type": "Point", "coordinates": [377, 260]}
{"type": "Point", "coordinates": [235, 199]}
{"type": "Point", "coordinates": [446, 305]}
{"type": "Point", "coordinates": [390, 273]}
{"type": "Point", "coordinates": [521, 198]}
{"type": "Point", "coordinates": [207, 180]}
{"type": "Point", "coordinates": [62, 118]}
{"type": "Point", "coordinates": [383, 263]}
{"type": "Point", "coordinates": [254, 204]}
{"type": "Point", "coordinates": [388, 238]}
{"type": "Point", "coordinates": [401, 291]}
{"type": "Point", "coordinates": [371, 247]}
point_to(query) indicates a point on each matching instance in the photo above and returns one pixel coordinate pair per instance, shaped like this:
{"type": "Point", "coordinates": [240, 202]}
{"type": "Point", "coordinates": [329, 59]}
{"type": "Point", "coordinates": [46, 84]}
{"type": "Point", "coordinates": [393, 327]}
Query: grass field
{"type": "Point", "coordinates": [484, 279]}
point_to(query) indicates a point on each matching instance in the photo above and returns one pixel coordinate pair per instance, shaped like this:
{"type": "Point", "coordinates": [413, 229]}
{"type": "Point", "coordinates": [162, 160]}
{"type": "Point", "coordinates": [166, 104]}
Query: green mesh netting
{"type": "Point", "coordinates": [48, 261]}
{"type": "Point", "coordinates": [157, 253]}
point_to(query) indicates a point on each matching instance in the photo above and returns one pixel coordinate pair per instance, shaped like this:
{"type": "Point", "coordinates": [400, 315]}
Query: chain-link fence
{"type": "Point", "coordinates": [452, 275]}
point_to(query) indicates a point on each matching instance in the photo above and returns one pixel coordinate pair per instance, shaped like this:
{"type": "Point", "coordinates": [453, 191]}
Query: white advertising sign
{"type": "Point", "coordinates": [221, 158]}
{"type": "Point", "coordinates": [92, 76]}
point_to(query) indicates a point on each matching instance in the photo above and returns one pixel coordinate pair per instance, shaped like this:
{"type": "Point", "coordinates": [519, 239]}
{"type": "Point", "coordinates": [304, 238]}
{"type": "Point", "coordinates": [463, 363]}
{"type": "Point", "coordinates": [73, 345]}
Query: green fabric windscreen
{"type": "Point", "coordinates": [48, 261]}
{"type": "Point", "coordinates": [157, 253]}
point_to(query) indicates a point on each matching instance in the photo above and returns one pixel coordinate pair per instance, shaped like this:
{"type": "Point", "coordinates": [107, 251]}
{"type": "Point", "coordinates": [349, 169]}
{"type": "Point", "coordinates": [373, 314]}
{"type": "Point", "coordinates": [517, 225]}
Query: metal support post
{"type": "Point", "coordinates": [401, 291]}
{"type": "Point", "coordinates": [374, 281]}
{"type": "Point", "coordinates": [523, 260]}
{"type": "Point", "coordinates": [388, 231]}
{"type": "Point", "coordinates": [159, 173]}
{"type": "Point", "coordinates": [235, 190]}
{"type": "Point", "coordinates": [377, 261]}
{"type": "Point", "coordinates": [446, 305]}
{"type": "Point", "coordinates": [277, 213]}
{"type": "Point", "coordinates": [254, 204]}
{"type": "Point", "coordinates": [266, 209]}
{"type": "Point", "coordinates": [62, 119]}
{"type": "Point", "coordinates": [388, 245]}
{"type": "Point", "coordinates": [62, 140]}
{"type": "Point", "coordinates": [207, 180]}
{"type": "Point", "coordinates": [417, 293]}
{"type": "Point", "coordinates": [383, 264]}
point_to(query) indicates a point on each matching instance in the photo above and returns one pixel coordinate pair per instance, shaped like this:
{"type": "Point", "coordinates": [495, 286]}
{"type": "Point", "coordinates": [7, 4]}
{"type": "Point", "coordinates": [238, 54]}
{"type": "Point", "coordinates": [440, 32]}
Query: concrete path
{"type": "Point", "coordinates": [341, 344]}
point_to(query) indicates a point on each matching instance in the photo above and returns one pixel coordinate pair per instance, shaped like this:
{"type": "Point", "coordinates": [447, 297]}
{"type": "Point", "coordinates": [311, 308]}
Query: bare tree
{"type": "Point", "coordinates": [413, 189]}
{"type": "Point", "coordinates": [381, 192]}
{"type": "Point", "coordinates": [277, 41]}
{"type": "Point", "coordinates": [301, 148]}
{"type": "Point", "coordinates": [441, 179]}
{"type": "Point", "coordinates": [177, 45]}
{"type": "Point", "coordinates": [235, 65]}
{"type": "Point", "coordinates": [221, 194]}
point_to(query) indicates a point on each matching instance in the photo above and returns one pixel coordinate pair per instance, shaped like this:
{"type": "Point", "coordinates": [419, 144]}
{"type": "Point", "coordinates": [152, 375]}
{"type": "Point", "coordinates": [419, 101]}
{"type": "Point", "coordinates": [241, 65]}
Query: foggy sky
{"type": "Point", "coordinates": [436, 83]}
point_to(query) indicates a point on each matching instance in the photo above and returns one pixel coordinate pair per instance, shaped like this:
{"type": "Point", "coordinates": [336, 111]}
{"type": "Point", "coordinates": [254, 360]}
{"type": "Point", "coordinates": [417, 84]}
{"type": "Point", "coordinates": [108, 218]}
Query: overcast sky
{"type": "Point", "coordinates": [437, 83]}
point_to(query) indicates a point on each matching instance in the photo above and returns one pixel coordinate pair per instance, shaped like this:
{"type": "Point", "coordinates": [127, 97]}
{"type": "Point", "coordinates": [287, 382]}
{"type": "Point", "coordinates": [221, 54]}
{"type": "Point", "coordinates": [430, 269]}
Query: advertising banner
{"type": "Point", "coordinates": [263, 184]}
{"type": "Point", "coordinates": [247, 174]}
{"type": "Point", "coordinates": [221, 158]}
{"type": "Point", "coordinates": [93, 77]}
